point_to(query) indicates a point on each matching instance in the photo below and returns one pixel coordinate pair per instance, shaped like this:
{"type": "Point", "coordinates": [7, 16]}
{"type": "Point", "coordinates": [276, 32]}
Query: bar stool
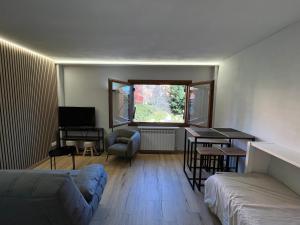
{"type": "Point", "coordinates": [73, 143]}
{"type": "Point", "coordinates": [205, 142]}
{"type": "Point", "coordinates": [235, 153]}
{"type": "Point", "coordinates": [89, 146]}
{"type": "Point", "coordinates": [211, 159]}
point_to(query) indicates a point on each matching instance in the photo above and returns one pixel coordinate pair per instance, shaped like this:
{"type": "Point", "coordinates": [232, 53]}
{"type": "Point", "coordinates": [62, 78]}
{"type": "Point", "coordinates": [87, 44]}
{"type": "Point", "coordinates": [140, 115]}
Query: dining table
{"type": "Point", "coordinates": [200, 133]}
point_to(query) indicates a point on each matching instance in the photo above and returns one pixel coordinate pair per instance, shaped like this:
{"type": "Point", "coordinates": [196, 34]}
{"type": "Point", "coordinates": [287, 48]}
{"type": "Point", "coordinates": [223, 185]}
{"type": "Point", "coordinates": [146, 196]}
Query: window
{"type": "Point", "coordinates": [160, 102]}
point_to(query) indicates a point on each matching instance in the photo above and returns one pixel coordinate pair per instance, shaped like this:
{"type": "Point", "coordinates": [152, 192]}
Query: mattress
{"type": "Point", "coordinates": [251, 199]}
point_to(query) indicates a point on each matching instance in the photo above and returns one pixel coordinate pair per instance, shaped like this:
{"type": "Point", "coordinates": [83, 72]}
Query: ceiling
{"type": "Point", "coordinates": [143, 30]}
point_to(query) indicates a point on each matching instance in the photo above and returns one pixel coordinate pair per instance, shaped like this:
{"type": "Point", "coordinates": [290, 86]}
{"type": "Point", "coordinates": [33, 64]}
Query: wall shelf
{"type": "Point", "coordinates": [288, 155]}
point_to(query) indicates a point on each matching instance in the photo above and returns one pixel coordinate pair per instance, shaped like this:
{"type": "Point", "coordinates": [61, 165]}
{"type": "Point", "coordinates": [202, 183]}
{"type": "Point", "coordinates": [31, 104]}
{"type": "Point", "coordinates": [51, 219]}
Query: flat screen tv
{"type": "Point", "coordinates": [76, 116]}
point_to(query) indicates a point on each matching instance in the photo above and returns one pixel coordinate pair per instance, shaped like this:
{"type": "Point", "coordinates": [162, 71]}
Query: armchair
{"type": "Point", "coordinates": [123, 142]}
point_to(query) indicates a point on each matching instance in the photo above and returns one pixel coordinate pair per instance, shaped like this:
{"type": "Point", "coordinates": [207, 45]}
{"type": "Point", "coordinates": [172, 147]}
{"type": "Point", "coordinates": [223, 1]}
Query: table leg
{"type": "Point", "coordinates": [184, 152]}
{"type": "Point", "coordinates": [227, 164]}
{"type": "Point", "coordinates": [51, 162]}
{"type": "Point", "coordinates": [237, 164]}
{"type": "Point", "coordinates": [73, 161]}
{"type": "Point", "coordinates": [200, 173]}
{"type": "Point", "coordinates": [103, 146]}
{"type": "Point", "coordinates": [188, 162]}
{"type": "Point", "coordinates": [195, 163]}
{"type": "Point", "coordinates": [191, 156]}
{"type": "Point", "coordinates": [221, 163]}
{"type": "Point", "coordinates": [208, 163]}
{"type": "Point", "coordinates": [54, 163]}
{"type": "Point", "coordinates": [214, 164]}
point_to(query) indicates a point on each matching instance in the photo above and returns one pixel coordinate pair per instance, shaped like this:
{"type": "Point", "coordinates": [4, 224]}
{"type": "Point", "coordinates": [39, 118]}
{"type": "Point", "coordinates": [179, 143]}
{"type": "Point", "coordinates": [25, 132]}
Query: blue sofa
{"type": "Point", "coordinates": [43, 197]}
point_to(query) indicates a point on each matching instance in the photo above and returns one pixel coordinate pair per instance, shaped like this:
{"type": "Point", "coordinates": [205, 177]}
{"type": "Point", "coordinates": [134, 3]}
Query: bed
{"type": "Point", "coordinates": [251, 199]}
{"type": "Point", "coordinates": [257, 197]}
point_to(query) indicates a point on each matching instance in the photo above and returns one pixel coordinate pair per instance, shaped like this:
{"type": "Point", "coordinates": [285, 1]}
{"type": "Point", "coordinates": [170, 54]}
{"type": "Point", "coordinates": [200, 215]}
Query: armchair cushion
{"type": "Point", "coordinates": [125, 133]}
{"type": "Point", "coordinates": [124, 140]}
{"type": "Point", "coordinates": [118, 148]}
{"type": "Point", "coordinates": [91, 181]}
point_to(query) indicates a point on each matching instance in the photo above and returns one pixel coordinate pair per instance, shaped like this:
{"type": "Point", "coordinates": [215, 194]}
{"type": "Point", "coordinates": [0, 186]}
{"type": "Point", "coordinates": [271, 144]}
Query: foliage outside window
{"type": "Point", "coordinates": [159, 103]}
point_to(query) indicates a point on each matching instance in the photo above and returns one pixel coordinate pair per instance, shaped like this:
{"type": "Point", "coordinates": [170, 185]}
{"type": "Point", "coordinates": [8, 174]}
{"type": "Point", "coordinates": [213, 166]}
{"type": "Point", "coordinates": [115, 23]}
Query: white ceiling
{"type": "Point", "coordinates": [149, 30]}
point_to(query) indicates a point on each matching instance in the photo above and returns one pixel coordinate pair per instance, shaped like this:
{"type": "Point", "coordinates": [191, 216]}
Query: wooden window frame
{"type": "Point", "coordinates": [110, 114]}
{"type": "Point", "coordinates": [186, 83]}
{"type": "Point", "coordinates": [210, 102]}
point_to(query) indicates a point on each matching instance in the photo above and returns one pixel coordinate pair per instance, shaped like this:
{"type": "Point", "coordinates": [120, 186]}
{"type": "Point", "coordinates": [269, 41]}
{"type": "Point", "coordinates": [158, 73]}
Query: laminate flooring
{"type": "Point", "coordinates": [153, 191]}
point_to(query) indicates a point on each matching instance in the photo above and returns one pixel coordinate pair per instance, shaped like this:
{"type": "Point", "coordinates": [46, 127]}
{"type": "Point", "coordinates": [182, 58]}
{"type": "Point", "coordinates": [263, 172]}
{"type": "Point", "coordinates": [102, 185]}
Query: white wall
{"type": "Point", "coordinates": [258, 89]}
{"type": "Point", "coordinates": [88, 85]}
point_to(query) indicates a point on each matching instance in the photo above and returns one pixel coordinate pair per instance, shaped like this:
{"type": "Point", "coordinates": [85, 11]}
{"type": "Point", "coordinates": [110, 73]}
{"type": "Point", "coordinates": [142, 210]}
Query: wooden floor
{"type": "Point", "coordinates": [153, 191]}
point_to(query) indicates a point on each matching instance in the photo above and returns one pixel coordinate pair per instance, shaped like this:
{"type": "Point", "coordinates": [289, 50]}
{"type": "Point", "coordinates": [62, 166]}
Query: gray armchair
{"type": "Point", "coordinates": [123, 142]}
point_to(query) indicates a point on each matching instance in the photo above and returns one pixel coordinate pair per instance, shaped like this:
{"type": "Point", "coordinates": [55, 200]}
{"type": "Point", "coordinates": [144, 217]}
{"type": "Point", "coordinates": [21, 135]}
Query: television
{"type": "Point", "coordinates": [76, 116]}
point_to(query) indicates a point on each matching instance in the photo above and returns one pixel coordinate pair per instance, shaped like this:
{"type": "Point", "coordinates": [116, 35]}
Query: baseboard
{"type": "Point", "coordinates": [159, 152]}
{"type": "Point", "coordinates": [38, 163]}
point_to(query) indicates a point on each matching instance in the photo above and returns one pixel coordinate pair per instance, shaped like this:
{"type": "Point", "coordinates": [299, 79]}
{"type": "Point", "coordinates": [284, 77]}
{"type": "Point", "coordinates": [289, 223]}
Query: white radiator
{"type": "Point", "coordinates": [158, 138]}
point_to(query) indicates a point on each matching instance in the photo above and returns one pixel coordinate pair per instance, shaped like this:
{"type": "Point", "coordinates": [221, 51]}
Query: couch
{"type": "Point", "coordinates": [44, 197]}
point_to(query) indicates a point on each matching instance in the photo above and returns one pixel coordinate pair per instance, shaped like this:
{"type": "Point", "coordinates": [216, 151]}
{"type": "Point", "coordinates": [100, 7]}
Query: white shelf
{"type": "Point", "coordinates": [288, 155]}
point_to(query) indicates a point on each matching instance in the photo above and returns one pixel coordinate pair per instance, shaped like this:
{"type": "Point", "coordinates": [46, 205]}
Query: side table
{"type": "Point", "coordinates": [65, 150]}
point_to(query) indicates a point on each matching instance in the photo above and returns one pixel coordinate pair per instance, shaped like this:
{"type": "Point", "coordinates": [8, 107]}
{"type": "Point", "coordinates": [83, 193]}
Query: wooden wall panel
{"type": "Point", "coordinates": [28, 106]}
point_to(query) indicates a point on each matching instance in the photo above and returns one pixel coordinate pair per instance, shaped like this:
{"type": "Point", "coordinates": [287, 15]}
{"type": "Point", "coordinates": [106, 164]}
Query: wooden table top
{"type": "Point", "coordinates": [231, 151]}
{"type": "Point", "coordinates": [210, 151]}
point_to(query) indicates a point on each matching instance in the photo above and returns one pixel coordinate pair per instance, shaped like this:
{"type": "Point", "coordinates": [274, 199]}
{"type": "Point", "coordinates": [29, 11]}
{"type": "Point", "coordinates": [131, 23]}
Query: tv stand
{"type": "Point", "coordinates": [82, 134]}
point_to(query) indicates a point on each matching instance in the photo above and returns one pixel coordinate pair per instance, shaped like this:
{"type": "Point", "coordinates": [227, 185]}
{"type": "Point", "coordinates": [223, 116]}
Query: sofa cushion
{"type": "Point", "coordinates": [41, 198]}
{"type": "Point", "coordinates": [91, 180]}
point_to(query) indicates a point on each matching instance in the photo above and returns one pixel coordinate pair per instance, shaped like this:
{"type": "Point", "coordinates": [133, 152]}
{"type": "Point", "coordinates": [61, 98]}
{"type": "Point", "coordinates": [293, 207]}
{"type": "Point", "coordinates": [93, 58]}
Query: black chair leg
{"type": "Point", "coordinates": [51, 162]}
{"type": "Point", "coordinates": [107, 157]}
{"type": "Point", "coordinates": [73, 161]}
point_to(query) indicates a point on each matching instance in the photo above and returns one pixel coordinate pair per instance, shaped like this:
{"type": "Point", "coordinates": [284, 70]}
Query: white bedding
{"type": "Point", "coordinates": [251, 199]}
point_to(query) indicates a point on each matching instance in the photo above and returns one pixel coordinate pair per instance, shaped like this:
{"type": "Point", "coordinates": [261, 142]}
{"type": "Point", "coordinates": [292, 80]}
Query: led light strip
{"type": "Point", "coordinates": [135, 62]}
{"type": "Point", "coordinates": [13, 44]}
{"type": "Point", "coordinates": [114, 62]}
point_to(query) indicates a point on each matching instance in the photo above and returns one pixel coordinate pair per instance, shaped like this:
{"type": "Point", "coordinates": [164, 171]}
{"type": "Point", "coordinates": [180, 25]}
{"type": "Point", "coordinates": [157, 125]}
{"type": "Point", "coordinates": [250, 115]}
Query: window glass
{"type": "Point", "coordinates": [159, 103]}
{"type": "Point", "coordinates": [199, 105]}
{"type": "Point", "coordinates": [121, 97]}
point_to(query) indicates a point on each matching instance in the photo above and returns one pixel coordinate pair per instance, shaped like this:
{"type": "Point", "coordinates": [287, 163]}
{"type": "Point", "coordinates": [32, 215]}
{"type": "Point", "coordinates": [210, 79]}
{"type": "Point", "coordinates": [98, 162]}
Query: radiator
{"type": "Point", "coordinates": [158, 138]}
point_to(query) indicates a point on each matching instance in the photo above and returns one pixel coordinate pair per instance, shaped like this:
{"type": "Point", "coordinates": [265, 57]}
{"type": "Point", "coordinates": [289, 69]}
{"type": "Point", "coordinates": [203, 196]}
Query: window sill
{"type": "Point", "coordinates": [158, 127]}
{"type": "Point", "coordinates": [148, 124]}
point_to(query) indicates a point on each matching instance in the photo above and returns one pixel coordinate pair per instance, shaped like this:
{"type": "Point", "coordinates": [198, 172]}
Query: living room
{"type": "Point", "coordinates": [234, 68]}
